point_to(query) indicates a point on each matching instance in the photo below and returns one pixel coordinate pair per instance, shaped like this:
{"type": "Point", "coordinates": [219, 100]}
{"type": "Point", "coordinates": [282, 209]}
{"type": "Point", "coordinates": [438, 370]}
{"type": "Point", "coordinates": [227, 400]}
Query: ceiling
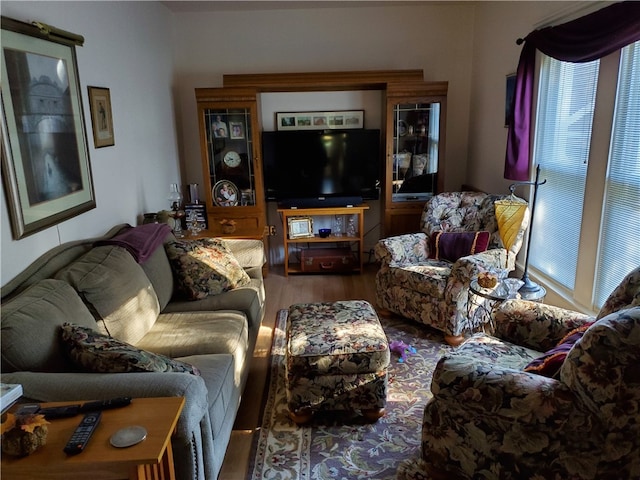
{"type": "Point", "coordinates": [178, 6]}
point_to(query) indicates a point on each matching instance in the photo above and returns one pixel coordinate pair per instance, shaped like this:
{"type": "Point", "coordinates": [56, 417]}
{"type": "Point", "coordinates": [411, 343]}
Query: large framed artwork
{"type": "Point", "coordinates": [45, 156]}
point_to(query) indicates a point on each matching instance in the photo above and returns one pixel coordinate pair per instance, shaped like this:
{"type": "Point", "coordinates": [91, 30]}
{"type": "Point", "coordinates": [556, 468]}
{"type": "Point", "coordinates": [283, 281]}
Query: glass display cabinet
{"type": "Point", "coordinates": [414, 165]}
{"type": "Point", "coordinates": [232, 171]}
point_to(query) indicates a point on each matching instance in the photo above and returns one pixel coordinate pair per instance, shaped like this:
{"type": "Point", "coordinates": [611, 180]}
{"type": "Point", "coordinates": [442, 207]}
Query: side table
{"type": "Point", "coordinates": [151, 459]}
{"type": "Point", "coordinates": [482, 301]}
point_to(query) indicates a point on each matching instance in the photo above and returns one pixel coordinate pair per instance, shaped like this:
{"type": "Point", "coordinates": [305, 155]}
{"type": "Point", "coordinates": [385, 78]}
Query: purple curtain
{"type": "Point", "coordinates": [583, 40]}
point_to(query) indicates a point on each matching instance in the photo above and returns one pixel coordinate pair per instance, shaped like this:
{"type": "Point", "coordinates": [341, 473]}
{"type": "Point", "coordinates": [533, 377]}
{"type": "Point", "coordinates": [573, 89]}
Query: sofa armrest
{"type": "Point", "coordinates": [467, 268]}
{"type": "Point", "coordinates": [59, 387]}
{"type": "Point", "coordinates": [248, 252]}
{"type": "Point", "coordinates": [535, 325]}
{"type": "Point", "coordinates": [402, 249]}
{"type": "Point", "coordinates": [484, 389]}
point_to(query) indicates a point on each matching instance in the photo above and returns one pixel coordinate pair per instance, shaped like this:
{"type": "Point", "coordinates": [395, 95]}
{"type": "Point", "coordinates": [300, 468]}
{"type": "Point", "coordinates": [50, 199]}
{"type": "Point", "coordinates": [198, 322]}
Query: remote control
{"type": "Point", "coordinates": [82, 434]}
{"type": "Point", "coordinates": [105, 404]}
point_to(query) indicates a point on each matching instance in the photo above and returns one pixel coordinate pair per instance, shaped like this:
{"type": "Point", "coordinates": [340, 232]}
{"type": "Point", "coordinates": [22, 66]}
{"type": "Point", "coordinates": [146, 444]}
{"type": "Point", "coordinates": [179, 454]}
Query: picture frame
{"type": "Point", "coordinates": [45, 156]}
{"type": "Point", "coordinates": [300, 227]}
{"type": "Point", "coordinates": [101, 117]}
{"type": "Point", "coordinates": [236, 130]}
{"type": "Point", "coordinates": [336, 120]}
{"type": "Point", "coordinates": [200, 211]}
{"type": "Point", "coordinates": [225, 193]}
{"type": "Point", "coordinates": [510, 89]}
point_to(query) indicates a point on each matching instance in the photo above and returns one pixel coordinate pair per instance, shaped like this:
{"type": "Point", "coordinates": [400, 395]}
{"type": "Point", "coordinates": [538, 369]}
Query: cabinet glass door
{"type": "Point", "coordinates": [230, 154]}
{"type": "Point", "coordinates": [416, 138]}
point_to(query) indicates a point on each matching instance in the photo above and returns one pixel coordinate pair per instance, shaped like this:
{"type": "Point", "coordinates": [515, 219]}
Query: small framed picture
{"type": "Point", "coordinates": [236, 130]}
{"type": "Point", "coordinates": [300, 227]}
{"type": "Point", "coordinates": [508, 101]}
{"type": "Point", "coordinates": [101, 117]}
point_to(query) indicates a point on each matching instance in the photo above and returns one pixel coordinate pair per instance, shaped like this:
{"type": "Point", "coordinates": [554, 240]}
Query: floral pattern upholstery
{"type": "Point", "coordinates": [436, 292]}
{"type": "Point", "coordinates": [489, 419]}
{"type": "Point", "coordinates": [337, 357]}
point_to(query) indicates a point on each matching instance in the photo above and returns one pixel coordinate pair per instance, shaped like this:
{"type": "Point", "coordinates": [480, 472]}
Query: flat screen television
{"type": "Point", "coordinates": [321, 164]}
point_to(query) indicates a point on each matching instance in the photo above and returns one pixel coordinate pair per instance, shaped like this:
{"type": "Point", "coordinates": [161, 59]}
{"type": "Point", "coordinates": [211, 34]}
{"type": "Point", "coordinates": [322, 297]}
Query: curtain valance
{"type": "Point", "coordinates": [582, 40]}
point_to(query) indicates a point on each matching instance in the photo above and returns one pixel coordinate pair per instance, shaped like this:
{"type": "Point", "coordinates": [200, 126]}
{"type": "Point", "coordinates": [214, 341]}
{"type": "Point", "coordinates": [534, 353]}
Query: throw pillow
{"type": "Point", "coordinates": [204, 267]}
{"type": "Point", "coordinates": [453, 245]}
{"type": "Point", "coordinates": [100, 353]}
{"type": "Point", "coordinates": [549, 364]}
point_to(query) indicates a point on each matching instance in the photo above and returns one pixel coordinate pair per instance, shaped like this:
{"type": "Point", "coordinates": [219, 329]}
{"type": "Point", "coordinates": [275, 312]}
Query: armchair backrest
{"type": "Point", "coordinates": [627, 294]}
{"type": "Point", "coordinates": [602, 369]}
{"type": "Point", "coordinates": [467, 212]}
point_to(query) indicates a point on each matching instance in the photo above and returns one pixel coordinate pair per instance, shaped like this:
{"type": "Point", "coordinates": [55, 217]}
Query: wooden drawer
{"type": "Point", "coordinates": [244, 227]}
{"type": "Point", "coordinates": [327, 260]}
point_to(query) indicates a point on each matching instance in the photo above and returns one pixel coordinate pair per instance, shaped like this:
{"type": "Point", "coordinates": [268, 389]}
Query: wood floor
{"type": "Point", "coordinates": [281, 292]}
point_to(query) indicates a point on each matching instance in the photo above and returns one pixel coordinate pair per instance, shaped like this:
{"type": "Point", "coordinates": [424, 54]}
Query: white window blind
{"type": "Point", "coordinates": [566, 103]}
{"type": "Point", "coordinates": [620, 230]}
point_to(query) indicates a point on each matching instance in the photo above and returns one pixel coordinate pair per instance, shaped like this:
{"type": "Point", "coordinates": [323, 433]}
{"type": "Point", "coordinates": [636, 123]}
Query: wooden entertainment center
{"type": "Point", "coordinates": [413, 138]}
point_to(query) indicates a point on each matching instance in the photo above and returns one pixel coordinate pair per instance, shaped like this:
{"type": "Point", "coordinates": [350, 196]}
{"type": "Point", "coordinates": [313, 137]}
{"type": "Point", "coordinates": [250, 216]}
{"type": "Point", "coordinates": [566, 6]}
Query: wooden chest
{"type": "Point", "coordinates": [327, 260]}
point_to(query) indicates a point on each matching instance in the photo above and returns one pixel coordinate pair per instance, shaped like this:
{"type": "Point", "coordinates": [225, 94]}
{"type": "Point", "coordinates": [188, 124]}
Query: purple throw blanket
{"type": "Point", "coordinates": [140, 241]}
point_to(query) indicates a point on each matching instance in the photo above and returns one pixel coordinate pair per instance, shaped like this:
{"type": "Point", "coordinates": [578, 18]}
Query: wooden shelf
{"type": "Point", "coordinates": [358, 240]}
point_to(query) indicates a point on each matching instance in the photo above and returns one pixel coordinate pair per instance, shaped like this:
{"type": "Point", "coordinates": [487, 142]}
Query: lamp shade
{"type": "Point", "coordinates": [510, 212]}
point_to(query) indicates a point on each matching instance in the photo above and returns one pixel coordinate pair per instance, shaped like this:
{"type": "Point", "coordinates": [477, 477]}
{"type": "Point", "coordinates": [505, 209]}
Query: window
{"type": "Point", "coordinates": [587, 223]}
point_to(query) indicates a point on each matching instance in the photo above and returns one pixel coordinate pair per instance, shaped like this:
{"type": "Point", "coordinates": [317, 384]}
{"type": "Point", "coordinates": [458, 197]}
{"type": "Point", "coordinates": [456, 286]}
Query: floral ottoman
{"type": "Point", "coordinates": [337, 359]}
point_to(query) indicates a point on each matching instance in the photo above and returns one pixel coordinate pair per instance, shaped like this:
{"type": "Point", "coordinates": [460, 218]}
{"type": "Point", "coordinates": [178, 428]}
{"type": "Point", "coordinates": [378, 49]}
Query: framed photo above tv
{"type": "Point", "coordinates": [320, 120]}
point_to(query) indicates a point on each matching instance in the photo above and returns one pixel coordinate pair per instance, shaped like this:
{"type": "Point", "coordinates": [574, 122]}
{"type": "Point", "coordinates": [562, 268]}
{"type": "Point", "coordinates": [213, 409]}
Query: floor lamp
{"type": "Point", "coordinates": [529, 288]}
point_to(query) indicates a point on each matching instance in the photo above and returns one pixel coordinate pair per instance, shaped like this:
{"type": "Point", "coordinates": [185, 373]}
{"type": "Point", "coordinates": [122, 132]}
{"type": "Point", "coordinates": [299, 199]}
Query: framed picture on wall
{"type": "Point", "coordinates": [101, 118]}
{"type": "Point", "coordinates": [45, 156]}
{"type": "Point", "coordinates": [320, 120]}
{"type": "Point", "coordinates": [510, 90]}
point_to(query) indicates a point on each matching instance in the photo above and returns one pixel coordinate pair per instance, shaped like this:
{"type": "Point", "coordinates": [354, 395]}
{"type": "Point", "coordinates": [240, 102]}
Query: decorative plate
{"type": "Point", "coordinates": [225, 194]}
{"type": "Point", "coordinates": [231, 159]}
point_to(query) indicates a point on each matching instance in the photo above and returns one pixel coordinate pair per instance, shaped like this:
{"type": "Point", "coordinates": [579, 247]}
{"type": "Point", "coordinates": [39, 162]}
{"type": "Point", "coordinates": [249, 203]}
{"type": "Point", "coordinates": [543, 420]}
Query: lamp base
{"type": "Point", "coordinates": [531, 291]}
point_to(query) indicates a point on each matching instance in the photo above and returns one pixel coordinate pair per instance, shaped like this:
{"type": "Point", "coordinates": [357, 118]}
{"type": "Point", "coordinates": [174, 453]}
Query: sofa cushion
{"type": "Point", "coordinates": [117, 291]}
{"type": "Point", "coordinates": [159, 273]}
{"type": "Point", "coordinates": [453, 245]}
{"type": "Point", "coordinates": [30, 323]}
{"type": "Point", "coordinates": [550, 362]}
{"type": "Point", "coordinates": [204, 267]}
{"type": "Point", "coordinates": [200, 333]}
{"type": "Point", "coordinates": [100, 353]}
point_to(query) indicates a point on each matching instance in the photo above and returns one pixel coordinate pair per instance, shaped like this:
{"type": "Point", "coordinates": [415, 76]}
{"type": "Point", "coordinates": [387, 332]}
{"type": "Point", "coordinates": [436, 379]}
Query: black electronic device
{"type": "Point", "coordinates": [51, 413]}
{"type": "Point", "coordinates": [105, 404]}
{"type": "Point", "coordinates": [82, 434]}
{"type": "Point", "coordinates": [314, 164]}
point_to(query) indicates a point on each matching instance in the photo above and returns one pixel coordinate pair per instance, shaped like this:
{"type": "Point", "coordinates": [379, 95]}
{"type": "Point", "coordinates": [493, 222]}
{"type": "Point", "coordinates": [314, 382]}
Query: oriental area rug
{"type": "Point", "coordinates": [344, 445]}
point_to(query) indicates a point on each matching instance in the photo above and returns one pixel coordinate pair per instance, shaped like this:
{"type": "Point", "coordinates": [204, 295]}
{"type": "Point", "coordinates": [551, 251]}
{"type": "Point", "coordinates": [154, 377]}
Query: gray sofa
{"type": "Point", "coordinates": [103, 287]}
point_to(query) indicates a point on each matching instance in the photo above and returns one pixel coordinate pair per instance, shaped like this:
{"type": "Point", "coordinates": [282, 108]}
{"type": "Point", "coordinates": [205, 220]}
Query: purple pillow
{"type": "Point", "coordinates": [453, 245]}
{"type": "Point", "coordinates": [549, 364]}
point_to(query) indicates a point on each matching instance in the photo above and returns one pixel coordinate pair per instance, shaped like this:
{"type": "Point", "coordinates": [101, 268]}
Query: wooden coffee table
{"type": "Point", "coordinates": [150, 459]}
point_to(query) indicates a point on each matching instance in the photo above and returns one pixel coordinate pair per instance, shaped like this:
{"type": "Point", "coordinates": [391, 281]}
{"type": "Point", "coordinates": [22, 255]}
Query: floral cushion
{"type": "Point", "coordinates": [453, 245]}
{"type": "Point", "coordinates": [549, 364]}
{"type": "Point", "coordinates": [205, 267]}
{"type": "Point", "coordinates": [98, 353]}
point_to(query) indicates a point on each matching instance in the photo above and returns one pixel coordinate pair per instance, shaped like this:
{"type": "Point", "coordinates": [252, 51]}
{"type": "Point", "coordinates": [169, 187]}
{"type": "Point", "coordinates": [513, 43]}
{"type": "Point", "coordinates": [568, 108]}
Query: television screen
{"type": "Point", "coordinates": [321, 163]}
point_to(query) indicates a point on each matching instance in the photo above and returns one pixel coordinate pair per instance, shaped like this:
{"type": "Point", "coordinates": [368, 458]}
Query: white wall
{"type": "Point", "coordinates": [128, 50]}
{"type": "Point", "coordinates": [434, 37]}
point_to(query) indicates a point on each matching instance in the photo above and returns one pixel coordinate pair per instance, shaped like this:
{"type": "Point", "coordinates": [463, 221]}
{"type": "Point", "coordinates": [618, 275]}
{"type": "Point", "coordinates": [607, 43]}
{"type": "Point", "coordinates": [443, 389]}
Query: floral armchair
{"type": "Point", "coordinates": [491, 419]}
{"type": "Point", "coordinates": [435, 291]}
